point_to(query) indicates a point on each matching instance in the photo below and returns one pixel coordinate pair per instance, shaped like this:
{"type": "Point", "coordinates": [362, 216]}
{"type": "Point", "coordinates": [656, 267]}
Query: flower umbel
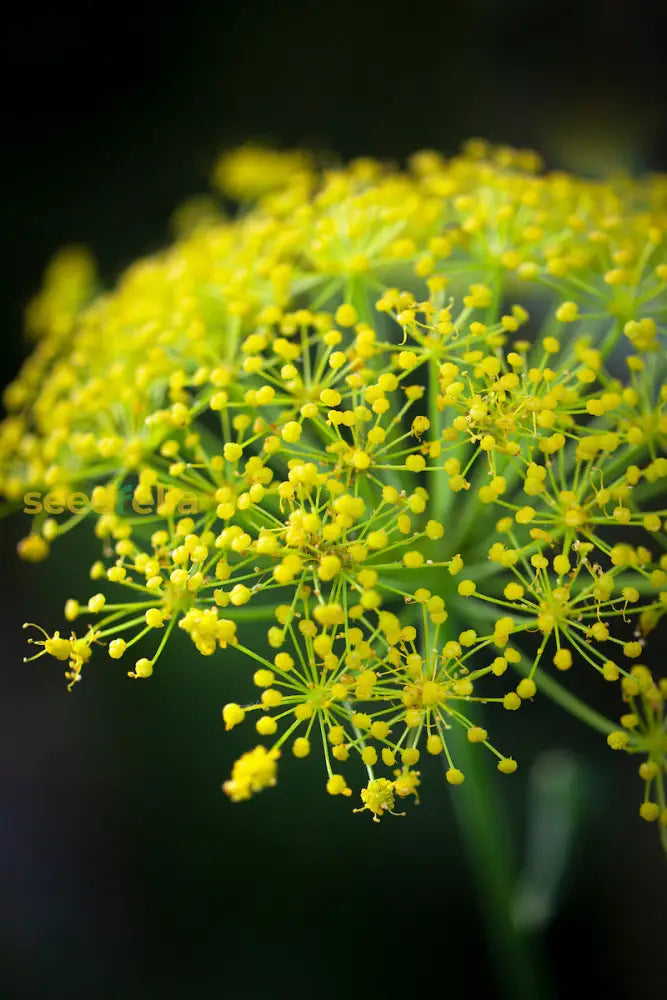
{"type": "Point", "coordinates": [422, 416]}
{"type": "Point", "coordinates": [645, 732]}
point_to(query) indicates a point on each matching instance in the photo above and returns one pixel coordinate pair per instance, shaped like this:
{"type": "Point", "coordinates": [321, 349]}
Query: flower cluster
{"type": "Point", "coordinates": [422, 416]}
{"type": "Point", "coordinates": [645, 732]}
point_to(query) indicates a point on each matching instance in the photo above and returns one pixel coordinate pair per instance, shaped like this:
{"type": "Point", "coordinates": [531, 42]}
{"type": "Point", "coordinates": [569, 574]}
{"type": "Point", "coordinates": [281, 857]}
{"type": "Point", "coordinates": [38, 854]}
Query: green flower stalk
{"type": "Point", "coordinates": [412, 420]}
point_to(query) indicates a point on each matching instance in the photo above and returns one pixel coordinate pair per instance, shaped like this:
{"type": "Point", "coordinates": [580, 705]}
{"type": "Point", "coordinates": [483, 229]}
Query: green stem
{"type": "Point", "coordinates": [261, 613]}
{"type": "Point", "coordinates": [484, 828]}
{"type": "Point", "coordinates": [486, 838]}
{"type": "Point", "coordinates": [437, 481]}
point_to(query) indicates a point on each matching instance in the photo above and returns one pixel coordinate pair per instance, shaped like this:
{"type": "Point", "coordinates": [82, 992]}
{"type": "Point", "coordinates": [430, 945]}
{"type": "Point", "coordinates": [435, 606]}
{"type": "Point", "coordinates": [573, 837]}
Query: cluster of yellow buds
{"type": "Point", "coordinates": [645, 732]}
{"type": "Point", "coordinates": [413, 420]}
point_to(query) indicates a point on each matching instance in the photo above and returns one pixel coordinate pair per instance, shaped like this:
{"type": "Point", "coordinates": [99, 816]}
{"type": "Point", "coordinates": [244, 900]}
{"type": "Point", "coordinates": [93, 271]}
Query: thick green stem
{"type": "Point", "coordinates": [486, 839]}
{"type": "Point", "coordinates": [485, 833]}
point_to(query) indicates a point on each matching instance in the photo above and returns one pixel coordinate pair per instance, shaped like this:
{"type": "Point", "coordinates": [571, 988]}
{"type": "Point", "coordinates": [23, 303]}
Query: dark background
{"type": "Point", "coordinates": [128, 874]}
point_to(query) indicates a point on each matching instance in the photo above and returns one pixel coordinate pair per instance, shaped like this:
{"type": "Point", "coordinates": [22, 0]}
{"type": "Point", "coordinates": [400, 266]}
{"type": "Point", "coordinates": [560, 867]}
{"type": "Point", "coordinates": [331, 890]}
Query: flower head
{"type": "Point", "coordinates": [412, 421]}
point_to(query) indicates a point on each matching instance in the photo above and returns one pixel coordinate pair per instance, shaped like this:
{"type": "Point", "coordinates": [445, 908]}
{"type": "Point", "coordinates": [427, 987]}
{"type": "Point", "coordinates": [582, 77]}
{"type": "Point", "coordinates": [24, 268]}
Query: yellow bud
{"type": "Point", "coordinates": [507, 765]}
{"type": "Point", "coordinates": [329, 567]}
{"type": "Point", "coordinates": [526, 688]}
{"type": "Point", "coordinates": [266, 725]}
{"type": "Point", "coordinates": [232, 451]}
{"type": "Point", "coordinates": [346, 315]}
{"type": "Point", "coordinates": [336, 785]}
{"type": "Point", "coordinates": [232, 715]}
{"type": "Point", "coordinates": [649, 811]}
{"type": "Point", "coordinates": [567, 312]}
{"type": "Point", "coordinates": [454, 776]}
{"type": "Point", "coordinates": [562, 659]}
{"type": "Point", "coordinates": [263, 678]}
{"type": "Point", "coordinates": [143, 667]}
{"type": "Point", "coordinates": [291, 432]}
{"type": "Point", "coordinates": [301, 747]}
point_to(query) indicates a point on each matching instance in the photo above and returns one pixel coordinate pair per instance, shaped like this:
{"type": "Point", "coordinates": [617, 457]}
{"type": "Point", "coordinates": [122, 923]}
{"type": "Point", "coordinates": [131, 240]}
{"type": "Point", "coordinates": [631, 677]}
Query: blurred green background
{"type": "Point", "coordinates": [127, 874]}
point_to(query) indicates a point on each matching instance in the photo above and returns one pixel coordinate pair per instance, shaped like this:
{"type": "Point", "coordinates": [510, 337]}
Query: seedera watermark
{"type": "Point", "coordinates": [111, 500]}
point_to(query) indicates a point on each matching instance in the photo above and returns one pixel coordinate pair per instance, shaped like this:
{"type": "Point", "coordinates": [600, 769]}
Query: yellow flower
{"type": "Point", "coordinates": [251, 773]}
{"type": "Point", "coordinates": [322, 455]}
